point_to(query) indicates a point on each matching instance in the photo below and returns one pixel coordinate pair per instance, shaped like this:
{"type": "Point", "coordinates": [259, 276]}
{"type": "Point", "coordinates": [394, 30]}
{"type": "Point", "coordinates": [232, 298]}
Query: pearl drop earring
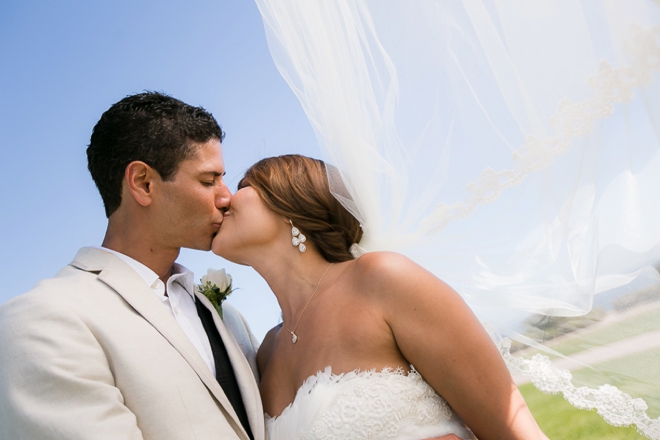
{"type": "Point", "coordinates": [297, 238]}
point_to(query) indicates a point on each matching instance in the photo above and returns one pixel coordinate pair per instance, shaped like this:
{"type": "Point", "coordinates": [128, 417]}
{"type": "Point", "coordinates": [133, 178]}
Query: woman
{"type": "Point", "coordinates": [358, 335]}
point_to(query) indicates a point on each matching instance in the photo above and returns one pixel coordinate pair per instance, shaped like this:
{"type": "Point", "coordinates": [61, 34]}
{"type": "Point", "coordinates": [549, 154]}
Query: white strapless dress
{"type": "Point", "coordinates": [390, 404]}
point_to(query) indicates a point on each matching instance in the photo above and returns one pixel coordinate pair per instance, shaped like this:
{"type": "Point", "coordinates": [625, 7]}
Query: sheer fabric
{"type": "Point", "coordinates": [511, 148]}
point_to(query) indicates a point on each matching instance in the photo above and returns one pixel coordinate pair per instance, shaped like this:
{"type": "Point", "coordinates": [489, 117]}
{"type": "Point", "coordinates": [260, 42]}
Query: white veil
{"type": "Point", "coordinates": [512, 148]}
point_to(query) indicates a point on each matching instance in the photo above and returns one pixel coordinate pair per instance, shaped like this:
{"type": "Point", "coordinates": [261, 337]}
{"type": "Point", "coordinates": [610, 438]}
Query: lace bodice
{"type": "Point", "coordinates": [389, 404]}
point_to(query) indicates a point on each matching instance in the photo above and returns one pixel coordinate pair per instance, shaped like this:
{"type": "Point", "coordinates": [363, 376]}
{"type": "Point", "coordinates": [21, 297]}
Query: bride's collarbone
{"type": "Point", "coordinates": [343, 347]}
{"type": "Point", "coordinates": [326, 337]}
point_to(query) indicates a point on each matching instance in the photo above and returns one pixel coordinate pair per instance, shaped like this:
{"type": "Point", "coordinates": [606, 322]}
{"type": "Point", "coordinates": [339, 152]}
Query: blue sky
{"type": "Point", "coordinates": [63, 63]}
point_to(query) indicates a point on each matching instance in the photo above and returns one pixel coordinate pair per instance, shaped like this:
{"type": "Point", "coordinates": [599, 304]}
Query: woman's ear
{"type": "Point", "coordinates": [139, 178]}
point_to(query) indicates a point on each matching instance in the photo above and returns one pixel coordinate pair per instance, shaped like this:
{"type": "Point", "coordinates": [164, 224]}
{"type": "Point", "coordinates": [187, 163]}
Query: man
{"type": "Point", "coordinates": [119, 344]}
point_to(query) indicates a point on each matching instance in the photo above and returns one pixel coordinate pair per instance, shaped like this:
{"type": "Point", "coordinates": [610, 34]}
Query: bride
{"type": "Point", "coordinates": [511, 149]}
{"type": "Point", "coordinates": [371, 347]}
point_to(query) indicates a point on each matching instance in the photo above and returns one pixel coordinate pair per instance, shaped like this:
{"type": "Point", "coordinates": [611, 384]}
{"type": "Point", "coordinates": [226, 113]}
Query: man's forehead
{"type": "Point", "coordinates": [206, 159]}
{"type": "Point", "coordinates": [210, 145]}
{"type": "Point", "coordinates": [210, 151]}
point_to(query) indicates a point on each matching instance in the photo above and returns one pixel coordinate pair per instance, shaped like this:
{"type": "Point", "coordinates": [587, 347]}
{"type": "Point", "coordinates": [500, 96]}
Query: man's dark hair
{"type": "Point", "coordinates": [152, 127]}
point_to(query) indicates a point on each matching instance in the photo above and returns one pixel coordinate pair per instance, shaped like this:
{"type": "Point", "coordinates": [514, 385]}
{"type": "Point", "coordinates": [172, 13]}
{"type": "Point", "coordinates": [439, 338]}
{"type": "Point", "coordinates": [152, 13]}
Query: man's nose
{"type": "Point", "coordinates": [222, 197]}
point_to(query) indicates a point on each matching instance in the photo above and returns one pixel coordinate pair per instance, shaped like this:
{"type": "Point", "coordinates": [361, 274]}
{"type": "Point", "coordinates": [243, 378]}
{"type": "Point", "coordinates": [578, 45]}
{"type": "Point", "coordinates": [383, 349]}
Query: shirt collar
{"type": "Point", "coordinates": [180, 274]}
{"type": "Point", "coordinates": [184, 277]}
{"type": "Point", "coordinates": [149, 276]}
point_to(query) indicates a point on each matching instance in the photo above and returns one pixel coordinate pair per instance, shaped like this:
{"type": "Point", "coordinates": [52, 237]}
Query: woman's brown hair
{"type": "Point", "coordinates": [296, 187]}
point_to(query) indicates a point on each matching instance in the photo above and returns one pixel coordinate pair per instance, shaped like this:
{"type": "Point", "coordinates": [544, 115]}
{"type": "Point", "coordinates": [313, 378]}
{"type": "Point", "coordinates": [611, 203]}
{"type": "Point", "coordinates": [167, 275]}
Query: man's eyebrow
{"type": "Point", "coordinates": [215, 173]}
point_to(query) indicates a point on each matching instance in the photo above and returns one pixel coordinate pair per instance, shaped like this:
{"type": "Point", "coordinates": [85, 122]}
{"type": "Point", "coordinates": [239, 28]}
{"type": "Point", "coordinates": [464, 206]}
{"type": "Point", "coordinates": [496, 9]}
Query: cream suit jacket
{"type": "Point", "coordinates": [93, 354]}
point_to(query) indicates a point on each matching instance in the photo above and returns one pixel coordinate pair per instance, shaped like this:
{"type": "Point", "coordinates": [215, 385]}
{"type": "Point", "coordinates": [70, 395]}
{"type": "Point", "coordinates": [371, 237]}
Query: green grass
{"type": "Point", "coordinates": [642, 323]}
{"type": "Point", "coordinates": [637, 375]}
{"type": "Point", "coordinates": [561, 421]}
{"type": "Point", "coordinates": [570, 344]}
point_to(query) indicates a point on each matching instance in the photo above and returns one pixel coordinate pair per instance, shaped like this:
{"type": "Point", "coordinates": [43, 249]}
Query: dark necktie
{"type": "Point", "coordinates": [224, 372]}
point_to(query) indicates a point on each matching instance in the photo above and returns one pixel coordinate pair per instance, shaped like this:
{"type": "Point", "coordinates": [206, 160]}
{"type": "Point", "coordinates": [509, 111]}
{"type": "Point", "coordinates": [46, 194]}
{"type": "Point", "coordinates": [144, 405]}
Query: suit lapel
{"type": "Point", "coordinates": [130, 286]}
{"type": "Point", "coordinates": [243, 372]}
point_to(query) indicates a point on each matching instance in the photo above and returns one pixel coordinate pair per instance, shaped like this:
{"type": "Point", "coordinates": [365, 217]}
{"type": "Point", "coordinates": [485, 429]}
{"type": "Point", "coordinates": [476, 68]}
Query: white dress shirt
{"type": "Point", "coordinates": [179, 298]}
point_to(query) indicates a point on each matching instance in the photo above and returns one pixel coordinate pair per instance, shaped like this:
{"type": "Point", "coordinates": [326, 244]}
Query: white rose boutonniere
{"type": "Point", "coordinates": [216, 286]}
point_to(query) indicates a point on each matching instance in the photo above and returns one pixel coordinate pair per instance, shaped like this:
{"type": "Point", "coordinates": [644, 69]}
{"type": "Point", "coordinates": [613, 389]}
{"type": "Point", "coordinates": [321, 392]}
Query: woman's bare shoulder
{"type": "Point", "coordinates": [266, 348]}
{"type": "Point", "coordinates": [390, 278]}
{"type": "Point", "coordinates": [388, 269]}
{"type": "Point", "coordinates": [379, 264]}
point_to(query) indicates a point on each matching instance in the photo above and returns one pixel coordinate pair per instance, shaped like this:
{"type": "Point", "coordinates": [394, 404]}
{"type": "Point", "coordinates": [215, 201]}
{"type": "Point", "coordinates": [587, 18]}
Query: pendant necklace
{"type": "Point", "coordinates": [294, 336]}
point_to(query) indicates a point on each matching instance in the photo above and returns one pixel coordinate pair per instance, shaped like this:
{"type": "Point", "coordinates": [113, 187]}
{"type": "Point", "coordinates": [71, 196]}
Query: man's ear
{"type": "Point", "coordinates": [139, 179]}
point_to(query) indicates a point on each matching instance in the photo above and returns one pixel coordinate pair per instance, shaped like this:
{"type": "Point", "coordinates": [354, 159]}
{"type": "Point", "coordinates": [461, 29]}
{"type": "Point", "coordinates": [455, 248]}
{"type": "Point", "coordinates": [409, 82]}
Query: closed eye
{"type": "Point", "coordinates": [210, 178]}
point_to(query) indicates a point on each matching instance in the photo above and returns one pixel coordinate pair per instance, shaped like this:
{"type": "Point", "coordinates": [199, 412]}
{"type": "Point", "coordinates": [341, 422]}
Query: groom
{"type": "Point", "coordinates": [119, 344]}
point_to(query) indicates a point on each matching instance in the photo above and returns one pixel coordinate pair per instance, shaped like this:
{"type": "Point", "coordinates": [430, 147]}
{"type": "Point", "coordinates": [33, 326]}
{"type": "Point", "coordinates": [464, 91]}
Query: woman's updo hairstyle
{"type": "Point", "coordinates": [296, 187]}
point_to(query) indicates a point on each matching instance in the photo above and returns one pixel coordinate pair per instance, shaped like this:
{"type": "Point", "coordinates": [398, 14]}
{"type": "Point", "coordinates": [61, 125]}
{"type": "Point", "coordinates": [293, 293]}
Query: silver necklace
{"type": "Point", "coordinates": [294, 336]}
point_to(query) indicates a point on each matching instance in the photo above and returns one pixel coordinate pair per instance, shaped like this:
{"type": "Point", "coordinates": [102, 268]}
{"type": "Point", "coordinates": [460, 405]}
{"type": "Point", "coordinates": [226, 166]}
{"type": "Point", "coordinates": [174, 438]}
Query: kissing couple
{"type": "Point", "coordinates": [120, 344]}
